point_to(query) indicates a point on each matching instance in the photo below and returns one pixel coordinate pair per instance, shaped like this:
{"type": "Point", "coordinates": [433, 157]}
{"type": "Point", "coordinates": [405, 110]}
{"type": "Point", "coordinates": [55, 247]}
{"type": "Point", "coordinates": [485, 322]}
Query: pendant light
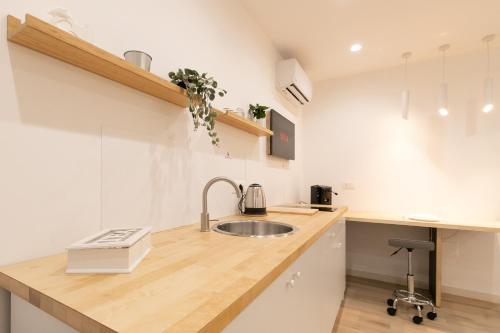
{"type": "Point", "coordinates": [488, 82]}
{"type": "Point", "coordinates": [405, 93]}
{"type": "Point", "coordinates": [443, 92]}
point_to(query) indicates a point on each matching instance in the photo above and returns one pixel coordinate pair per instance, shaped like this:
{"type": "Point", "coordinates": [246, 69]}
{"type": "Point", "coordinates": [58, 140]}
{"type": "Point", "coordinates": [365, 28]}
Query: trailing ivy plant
{"type": "Point", "coordinates": [201, 91]}
{"type": "Point", "coordinates": [258, 111]}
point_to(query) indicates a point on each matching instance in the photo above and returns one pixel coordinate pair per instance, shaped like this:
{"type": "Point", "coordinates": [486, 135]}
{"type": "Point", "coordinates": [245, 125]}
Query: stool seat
{"type": "Point", "coordinates": [412, 244]}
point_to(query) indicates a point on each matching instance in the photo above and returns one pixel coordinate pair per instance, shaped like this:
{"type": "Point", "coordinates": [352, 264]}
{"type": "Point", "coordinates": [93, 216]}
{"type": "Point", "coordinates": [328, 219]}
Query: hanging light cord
{"type": "Point", "coordinates": [406, 72]}
{"type": "Point", "coordinates": [442, 69]}
{"type": "Point", "coordinates": [405, 57]}
{"type": "Point", "coordinates": [488, 61]}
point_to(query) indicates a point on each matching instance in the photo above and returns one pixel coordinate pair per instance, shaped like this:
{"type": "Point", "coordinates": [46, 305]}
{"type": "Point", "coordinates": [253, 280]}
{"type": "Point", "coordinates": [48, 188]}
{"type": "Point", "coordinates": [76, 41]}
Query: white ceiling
{"type": "Point", "coordinates": [319, 32]}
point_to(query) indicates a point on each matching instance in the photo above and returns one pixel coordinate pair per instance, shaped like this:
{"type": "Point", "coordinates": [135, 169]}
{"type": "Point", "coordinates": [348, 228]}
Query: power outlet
{"type": "Point", "coordinates": [348, 186]}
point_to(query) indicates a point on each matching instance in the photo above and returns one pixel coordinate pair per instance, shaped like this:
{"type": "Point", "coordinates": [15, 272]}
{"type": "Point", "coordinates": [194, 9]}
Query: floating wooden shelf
{"type": "Point", "coordinates": [242, 123]}
{"type": "Point", "coordinates": [52, 41]}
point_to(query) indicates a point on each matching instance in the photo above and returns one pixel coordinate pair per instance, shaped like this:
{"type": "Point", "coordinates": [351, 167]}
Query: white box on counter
{"type": "Point", "coordinates": [110, 251]}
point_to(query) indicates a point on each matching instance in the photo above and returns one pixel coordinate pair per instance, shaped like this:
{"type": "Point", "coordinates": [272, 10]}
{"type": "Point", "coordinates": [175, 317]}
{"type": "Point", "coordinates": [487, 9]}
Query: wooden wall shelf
{"type": "Point", "coordinates": [242, 123]}
{"type": "Point", "coordinates": [52, 41]}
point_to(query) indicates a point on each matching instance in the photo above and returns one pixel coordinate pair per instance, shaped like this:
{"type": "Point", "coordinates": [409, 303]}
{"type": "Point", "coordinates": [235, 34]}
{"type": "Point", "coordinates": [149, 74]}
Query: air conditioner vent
{"type": "Point", "coordinates": [293, 82]}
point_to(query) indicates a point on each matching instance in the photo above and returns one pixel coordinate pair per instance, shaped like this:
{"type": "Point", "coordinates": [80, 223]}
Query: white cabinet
{"type": "Point", "coordinates": [304, 298]}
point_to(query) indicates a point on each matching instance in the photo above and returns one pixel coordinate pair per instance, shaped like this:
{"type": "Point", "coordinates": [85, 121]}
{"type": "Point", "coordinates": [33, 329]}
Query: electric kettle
{"type": "Point", "coordinates": [253, 202]}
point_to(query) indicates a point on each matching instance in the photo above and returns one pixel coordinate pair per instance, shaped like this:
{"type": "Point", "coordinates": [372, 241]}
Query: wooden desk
{"type": "Point", "coordinates": [436, 228]}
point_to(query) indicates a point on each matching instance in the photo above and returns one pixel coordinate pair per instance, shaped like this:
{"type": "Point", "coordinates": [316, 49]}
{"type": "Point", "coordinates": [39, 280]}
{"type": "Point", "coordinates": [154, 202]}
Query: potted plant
{"type": "Point", "coordinates": [258, 113]}
{"type": "Point", "coordinates": [201, 91]}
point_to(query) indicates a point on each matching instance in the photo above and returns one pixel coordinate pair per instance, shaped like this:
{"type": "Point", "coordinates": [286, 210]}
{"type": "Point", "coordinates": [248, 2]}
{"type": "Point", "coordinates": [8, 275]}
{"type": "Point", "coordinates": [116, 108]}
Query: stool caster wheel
{"type": "Point", "coordinates": [390, 302]}
{"type": "Point", "coordinates": [391, 311]}
{"type": "Point", "coordinates": [417, 320]}
{"type": "Point", "coordinates": [432, 315]}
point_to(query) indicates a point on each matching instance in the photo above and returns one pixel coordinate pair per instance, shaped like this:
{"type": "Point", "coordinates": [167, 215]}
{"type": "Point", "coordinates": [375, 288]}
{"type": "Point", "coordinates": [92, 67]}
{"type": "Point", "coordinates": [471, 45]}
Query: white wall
{"type": "Point", "coordinates": [80, 153]}
{"type": "Point", "coordinates": [449, 167]}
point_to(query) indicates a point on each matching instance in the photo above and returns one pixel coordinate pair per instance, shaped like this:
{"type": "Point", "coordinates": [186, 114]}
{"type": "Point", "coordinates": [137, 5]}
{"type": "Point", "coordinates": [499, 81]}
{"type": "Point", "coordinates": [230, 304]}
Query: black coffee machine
{"type": "Point", "coordinates": [322, 195]}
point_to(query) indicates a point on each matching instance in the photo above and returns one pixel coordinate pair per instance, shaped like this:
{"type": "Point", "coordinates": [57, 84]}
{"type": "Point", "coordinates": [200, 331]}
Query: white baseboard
{"type": "Point", "coordinates": [452, 291]}
{"type": "Point", "coordinates": [386, 278]}
{"type": "Point", "coordinates": [491, 298]}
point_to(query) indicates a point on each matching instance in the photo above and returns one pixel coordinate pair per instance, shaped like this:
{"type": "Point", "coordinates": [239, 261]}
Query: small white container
{"type": "Point", "coordinates": [262, 122]}
{"type": "Point", "coordinates": [110, 251]}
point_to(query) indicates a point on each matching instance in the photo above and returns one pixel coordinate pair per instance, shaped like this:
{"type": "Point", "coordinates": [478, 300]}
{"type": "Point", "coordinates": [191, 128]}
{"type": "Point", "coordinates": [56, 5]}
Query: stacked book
{"type": "Point", "coordinates": [110, 251]}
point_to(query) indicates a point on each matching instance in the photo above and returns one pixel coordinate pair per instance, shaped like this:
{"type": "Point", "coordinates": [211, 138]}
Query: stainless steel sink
{"type": "Point", "coordinates": [258, 229]}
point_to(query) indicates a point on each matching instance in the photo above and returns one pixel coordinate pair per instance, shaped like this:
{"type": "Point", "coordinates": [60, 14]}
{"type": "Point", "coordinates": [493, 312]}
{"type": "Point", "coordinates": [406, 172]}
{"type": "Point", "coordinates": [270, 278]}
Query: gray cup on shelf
{"type": "Point", "coordinates": [138, 58]}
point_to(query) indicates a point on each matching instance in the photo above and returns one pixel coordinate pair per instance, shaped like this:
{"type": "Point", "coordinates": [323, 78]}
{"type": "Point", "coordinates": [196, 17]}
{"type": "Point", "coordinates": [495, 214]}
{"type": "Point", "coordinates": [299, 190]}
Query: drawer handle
{"type": "Point", "coordinates": [297, 275]}
{"type": "Point", "coordinates": [291, 283]}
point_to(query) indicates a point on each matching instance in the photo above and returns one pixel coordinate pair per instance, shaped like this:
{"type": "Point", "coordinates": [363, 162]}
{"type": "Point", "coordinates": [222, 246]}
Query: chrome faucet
{"type": "Point", "coordinates": [205, 219]}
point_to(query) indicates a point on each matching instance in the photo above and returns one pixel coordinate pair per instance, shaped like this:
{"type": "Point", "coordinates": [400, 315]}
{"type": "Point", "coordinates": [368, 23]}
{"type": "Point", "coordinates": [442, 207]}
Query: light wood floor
{"type": "Point", "coordinates": [364, 310]}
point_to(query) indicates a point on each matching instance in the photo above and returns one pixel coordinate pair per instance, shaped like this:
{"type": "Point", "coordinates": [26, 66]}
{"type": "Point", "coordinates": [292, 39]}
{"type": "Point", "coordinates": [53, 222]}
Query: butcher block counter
{"type": "Point", "coordinates": [190, 282]}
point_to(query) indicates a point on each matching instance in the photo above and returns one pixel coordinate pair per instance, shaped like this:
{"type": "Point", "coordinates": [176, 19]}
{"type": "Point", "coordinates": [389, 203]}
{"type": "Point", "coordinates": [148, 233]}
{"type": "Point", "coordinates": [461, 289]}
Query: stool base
{"type": "Point", "coordinates": [415, 299]}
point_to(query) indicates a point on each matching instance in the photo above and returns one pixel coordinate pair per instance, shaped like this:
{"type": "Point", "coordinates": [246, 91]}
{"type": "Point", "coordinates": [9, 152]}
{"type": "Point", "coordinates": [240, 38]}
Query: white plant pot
{"type": "Point", "coordinates": [261, 122]}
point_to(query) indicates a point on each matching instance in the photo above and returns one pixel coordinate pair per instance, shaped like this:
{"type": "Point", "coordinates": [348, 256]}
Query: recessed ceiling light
{"type": "Point", "coordinates": [356, 47]}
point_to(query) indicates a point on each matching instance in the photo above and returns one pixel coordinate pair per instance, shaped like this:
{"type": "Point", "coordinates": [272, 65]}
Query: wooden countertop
{"type": "Point", "coordinates": [471, 225]}
{"type": "Point", "coordinates": [190, 281]}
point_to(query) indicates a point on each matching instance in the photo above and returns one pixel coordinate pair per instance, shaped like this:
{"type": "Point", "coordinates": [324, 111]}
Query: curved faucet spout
{"type": "Point", "coordinates": [205, 219]}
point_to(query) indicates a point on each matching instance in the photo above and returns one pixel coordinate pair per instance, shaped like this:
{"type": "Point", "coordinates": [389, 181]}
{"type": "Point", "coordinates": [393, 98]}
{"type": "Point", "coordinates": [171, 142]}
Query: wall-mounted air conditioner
{"type": "Point", "coordinates": [293, 82]}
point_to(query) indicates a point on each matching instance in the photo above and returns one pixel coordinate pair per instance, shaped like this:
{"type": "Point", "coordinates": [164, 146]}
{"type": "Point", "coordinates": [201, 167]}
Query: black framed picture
{"type": "Point", "coordinates": [282, 142]}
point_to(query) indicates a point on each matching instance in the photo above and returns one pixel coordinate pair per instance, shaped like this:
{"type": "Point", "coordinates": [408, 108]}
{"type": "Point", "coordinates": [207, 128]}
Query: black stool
{"type": "Point", "coordinates": [409, 295]}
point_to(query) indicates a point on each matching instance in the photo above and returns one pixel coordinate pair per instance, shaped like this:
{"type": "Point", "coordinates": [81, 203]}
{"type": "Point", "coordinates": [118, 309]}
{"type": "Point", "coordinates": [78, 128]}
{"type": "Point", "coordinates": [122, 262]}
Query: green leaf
{"type": "Point", "coordinates": [201, 90]}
